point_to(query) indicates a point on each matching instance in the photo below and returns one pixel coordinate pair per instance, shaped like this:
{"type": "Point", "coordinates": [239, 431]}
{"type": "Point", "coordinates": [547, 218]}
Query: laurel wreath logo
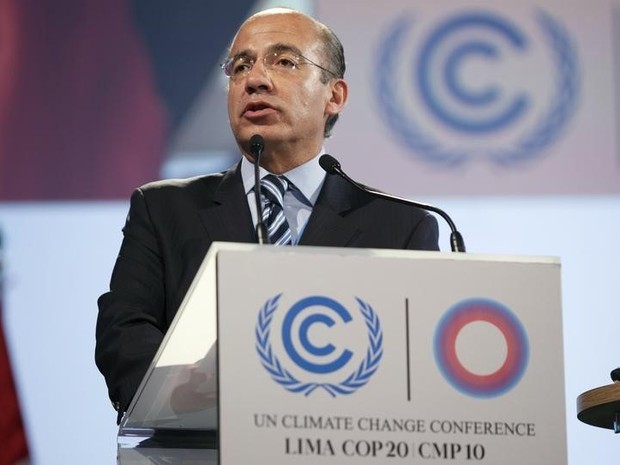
{"type": "Point", "coordinates": [547, 130]}
{"type": "Point", "coordinates": [282, 376]}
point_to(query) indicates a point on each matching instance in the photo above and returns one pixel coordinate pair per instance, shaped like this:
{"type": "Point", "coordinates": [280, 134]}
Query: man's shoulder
{"type": "Point", "coordinates": [202, 184]}
{"type": "Point", "coordinates": [177, 194]}
{"type": "Point", "coordinates": [173, 184]}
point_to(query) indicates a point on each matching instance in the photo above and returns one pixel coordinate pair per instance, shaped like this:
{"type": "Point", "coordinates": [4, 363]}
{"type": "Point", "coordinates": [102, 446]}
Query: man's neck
{"type": "Point", "coordinates": [281, 158]}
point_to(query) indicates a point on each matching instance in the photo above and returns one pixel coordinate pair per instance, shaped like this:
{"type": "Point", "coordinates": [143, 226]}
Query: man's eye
{"type": "Point", "coordinates": [285, 61]}
{"type": "Point", "coordinates": [241, 67]}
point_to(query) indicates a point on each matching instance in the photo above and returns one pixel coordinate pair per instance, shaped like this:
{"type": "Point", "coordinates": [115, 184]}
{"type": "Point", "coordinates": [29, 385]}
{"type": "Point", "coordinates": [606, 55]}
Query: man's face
{"type": "Point", "coordinates": [286, 106]}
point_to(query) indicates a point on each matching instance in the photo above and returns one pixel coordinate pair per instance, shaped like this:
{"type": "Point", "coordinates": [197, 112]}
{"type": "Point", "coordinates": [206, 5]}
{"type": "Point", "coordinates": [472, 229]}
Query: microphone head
{"type": "Point", "coordinates": [329, 164]}
{"type": "Point", "coordinates": [257, 144]}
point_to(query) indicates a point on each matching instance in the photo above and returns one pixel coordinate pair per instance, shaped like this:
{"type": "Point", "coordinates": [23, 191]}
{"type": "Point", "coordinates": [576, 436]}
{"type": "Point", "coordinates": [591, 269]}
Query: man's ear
{"type": "Point", "coordinates": [338, 97]}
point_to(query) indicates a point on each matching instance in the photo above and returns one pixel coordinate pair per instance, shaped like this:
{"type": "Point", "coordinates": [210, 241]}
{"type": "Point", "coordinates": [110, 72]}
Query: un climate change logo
{"type": "Point", "coordinates": [314, 362]}
{"type": "Point", "coordinates": [468, 90]}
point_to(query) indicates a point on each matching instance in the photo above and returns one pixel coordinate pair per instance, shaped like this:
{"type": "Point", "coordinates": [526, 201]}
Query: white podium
{"type": "Point", "coordinates": [306, 355]}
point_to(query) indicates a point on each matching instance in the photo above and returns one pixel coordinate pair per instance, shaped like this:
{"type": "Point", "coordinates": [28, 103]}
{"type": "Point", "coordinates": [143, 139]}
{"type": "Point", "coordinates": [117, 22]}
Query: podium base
{"type": "Point", "coordinates": [166, 446]}
{"type": "Point", "coordinates": [161, 456]}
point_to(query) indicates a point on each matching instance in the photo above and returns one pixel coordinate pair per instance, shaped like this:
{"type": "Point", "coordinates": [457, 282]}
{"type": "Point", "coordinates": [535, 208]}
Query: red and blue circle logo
{"type": "Point", "coordinates": [503, 378]}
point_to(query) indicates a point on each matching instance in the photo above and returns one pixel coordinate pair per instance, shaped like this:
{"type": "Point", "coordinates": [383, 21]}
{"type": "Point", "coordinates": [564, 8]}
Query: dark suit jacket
{"type": "Point", "coordinates": [169, 229]}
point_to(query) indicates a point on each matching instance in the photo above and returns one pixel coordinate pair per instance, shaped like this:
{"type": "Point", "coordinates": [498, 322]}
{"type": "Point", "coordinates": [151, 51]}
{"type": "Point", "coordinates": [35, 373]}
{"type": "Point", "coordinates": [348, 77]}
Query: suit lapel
{"type": "Point", "coordinates": [328, 226]}
{"type": "Point", "coordinates": [226, 216]}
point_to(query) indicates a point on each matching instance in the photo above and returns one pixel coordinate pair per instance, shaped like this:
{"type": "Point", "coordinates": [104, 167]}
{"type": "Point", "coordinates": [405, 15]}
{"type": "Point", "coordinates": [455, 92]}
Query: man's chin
{"type": "Point", "coordinates": [269, 132]}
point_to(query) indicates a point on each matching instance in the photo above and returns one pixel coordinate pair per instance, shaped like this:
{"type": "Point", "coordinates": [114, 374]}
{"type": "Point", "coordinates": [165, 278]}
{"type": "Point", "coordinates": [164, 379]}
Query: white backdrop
{"type": "Point", "coordinates": [59, 257]}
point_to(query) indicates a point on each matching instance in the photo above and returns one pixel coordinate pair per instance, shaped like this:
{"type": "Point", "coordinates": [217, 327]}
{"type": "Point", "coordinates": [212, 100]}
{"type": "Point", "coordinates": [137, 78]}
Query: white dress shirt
{"type": "Point", "coordinates": [305, 182]}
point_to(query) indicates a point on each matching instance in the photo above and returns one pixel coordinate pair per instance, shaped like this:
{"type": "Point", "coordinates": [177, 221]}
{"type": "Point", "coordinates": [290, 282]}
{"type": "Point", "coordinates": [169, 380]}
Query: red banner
{"type": "Point", "coordinates": [12, 434]}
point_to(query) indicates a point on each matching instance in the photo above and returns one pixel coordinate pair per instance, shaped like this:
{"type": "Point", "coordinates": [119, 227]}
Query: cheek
{"type": "Point", "coordinates": [232, 101]}
{"type": "Point", "coordinates": [310, 101]}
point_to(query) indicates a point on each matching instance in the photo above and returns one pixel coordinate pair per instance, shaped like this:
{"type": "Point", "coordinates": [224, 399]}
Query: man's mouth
{"type": "Point", "coordinates": [255, 109]}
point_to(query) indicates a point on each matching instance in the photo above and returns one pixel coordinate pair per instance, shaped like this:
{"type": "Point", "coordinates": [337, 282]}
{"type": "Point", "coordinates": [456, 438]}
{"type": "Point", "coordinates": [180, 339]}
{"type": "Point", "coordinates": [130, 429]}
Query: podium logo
{"type": "Point", "coordinates": [451, 350]}
{"type": "Point", "coordinates": [466, 92]}
{"type": "Point", "coordinates": [307, 339]}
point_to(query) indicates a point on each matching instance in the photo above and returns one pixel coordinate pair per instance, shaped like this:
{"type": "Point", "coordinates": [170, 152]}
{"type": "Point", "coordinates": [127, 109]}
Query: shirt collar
{"type": "Point", "coordinates": [307, 178]}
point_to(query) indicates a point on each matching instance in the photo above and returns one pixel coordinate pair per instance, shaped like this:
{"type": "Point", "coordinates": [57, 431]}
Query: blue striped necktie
{"type": "Point", "coordinates": [273, 189]}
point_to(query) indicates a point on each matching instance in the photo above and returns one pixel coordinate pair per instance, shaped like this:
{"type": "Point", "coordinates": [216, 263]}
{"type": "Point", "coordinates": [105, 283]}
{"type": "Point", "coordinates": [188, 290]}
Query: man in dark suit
{"type": "Point", "coordinates": [286, 84]}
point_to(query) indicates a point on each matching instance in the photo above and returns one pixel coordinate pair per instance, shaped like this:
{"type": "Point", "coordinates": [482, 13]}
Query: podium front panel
{"type": "Point", "coordinates": [343, 356]}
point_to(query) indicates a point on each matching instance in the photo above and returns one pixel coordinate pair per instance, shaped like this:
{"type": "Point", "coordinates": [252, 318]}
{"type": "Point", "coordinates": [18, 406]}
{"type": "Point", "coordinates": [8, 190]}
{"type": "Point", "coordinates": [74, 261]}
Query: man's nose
{"type": "Point", "coordinates": [258, 77]}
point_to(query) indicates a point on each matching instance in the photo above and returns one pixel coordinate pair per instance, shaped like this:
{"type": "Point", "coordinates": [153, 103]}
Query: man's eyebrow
{"type": "Point", "coordinates": [282, 47]}
{"type": "Point", "coordinates": [241, 54]}
{"type": "Point", "coordinates": [279, 47]}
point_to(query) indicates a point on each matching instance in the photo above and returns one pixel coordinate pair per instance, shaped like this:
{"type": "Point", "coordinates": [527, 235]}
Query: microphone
{"type": "Point", "coordinates": [257, 145]}
{"type": "Point", "coordinates": [332, 166]}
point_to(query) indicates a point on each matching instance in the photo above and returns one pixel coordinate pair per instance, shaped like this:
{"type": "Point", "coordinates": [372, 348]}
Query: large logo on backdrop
{"type": "Point", "coordinates": [495, 334]}
{"type": "Point", "coordinates": [311, 351]}
{"type": "Point", "coordinates": [477, 85]}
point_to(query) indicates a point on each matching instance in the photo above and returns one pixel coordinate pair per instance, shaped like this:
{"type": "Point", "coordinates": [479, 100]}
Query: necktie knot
{"type": "Point", "coordinates": [274, 188]}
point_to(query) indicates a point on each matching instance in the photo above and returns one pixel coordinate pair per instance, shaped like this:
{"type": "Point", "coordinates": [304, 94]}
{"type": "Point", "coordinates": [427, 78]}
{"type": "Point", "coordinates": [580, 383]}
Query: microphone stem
{"type": "Point", "coordinates": [261, 229]}
{"type": "Point", "coordinates": [457, 244]}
